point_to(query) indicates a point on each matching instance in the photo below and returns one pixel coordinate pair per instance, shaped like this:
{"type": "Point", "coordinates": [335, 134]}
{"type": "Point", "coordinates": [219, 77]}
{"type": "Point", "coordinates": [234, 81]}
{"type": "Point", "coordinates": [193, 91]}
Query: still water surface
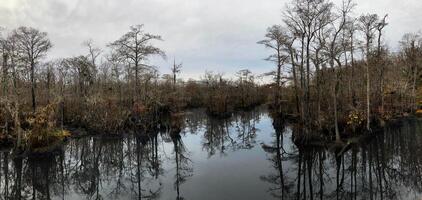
{"type": "Point", "coordinates": [243, 158]}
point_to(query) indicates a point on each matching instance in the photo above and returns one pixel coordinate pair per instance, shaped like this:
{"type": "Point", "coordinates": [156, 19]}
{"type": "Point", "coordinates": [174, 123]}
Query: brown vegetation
{"type": "Point", "coordinates": [121, 94]}
{"type": "Point", "coordinates": [326, 82]}
{"type": "Point", "coordinates": [333, 73]}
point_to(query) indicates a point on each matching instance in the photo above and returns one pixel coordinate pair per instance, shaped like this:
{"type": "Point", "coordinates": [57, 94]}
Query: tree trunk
{"type": "Point", "coordinates": [14, 74]}
{"type": "Point", "coordinates": [295, 80]}
{"type": "Point", "coordinates": [174, 75]}
{"type": "Point", "coordinates": [334, 89]}
{"type": "Point", "coordinates": [308, 77]}
{"type": "Point", "coordinates": [33, 85]}
{"type": "Point", "coordinates": [174, 81]}
{"type": "Point", "coordinates": [352, 75]}
{"type": "Point", "coordinates": [136, 81]}
{"type": "Point", "coordinates": [5, 74]}
{"type": "Point", "coordinates": [368, 89]}
{"type": "Point", "coordinates": [415, 77]}
{"type": "Point", "coordinates": [302, 81]}
{"type": "Point", "coordinates": [318, 84]}
{"type": "Point", "coordinates": [48, 85]}
{"type": "Point", "coordinates": [278, 81]}
{"type": "Point", "coordinates": [14, 110]}
{"type": "Point", "coordinates": [381, 66]}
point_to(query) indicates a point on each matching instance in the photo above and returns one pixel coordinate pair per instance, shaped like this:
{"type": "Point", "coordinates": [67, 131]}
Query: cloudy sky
{"type": "Point", "coordinates": [213, 35]}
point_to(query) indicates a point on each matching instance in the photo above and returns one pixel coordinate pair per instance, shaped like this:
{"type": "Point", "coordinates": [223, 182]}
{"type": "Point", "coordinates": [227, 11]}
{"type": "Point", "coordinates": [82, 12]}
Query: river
{"type": "Point", "coordinates": [243, 158]}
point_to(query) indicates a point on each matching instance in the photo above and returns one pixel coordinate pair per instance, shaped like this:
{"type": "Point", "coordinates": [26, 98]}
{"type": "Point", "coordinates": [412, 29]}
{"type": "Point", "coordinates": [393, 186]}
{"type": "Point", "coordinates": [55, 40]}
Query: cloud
{"type": "Point", "coordinates": [214, 35]}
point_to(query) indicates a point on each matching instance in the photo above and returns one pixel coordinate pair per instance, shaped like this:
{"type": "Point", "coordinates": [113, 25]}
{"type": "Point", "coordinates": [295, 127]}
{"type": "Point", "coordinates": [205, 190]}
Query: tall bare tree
{"type": "Point", "coordinates": [380, 27]}
{"type": "Point", "coordinates": [351, 29]}
{"type": "Point", "coordinates": [93, 54]}
{"type": "Point", "coordinates": [136, 47]}
{"type": "Point", "coordinates": [319, 59]}
{"type": "Point", "coordinates": [335, 50]}
{"type": "Point", "coordinates": [368, 25]}
{"type": "Point", "coordinates": [306, 17]}
{"type": "Point", "coordinates": [32, 44]}
{"type": "Point", "coordinates": [276, 40]}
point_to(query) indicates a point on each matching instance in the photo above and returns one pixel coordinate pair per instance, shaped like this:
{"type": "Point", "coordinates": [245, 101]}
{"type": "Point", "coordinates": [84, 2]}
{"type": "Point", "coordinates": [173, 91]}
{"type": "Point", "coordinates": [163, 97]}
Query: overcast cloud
{"type": "Point", "coordinates": [214, 35]}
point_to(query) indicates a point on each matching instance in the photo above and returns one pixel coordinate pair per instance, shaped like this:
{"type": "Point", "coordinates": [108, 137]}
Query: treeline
{"type": "Point", "coordinates": [121, 91]}
{"type": "Point", "coordinates": [334, 71]}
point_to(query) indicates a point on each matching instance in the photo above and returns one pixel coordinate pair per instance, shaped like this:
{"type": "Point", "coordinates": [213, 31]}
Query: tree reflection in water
{"type": "Point", "coordinates": [183, 164]}
{"type": "Point", "coordinates": [386, 166]}
{"type": "Point", "coordinates": [281, 187]}
{"type": "Point", "coordinates": [237, 132]}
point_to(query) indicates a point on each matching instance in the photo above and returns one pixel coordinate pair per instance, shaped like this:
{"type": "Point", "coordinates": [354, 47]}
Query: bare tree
{"type": "Point", "coordinates": [306, 17]}
{"type": "Point", "coordinates": [276, 40]}
{"type": "Point", "coordinates": [93, 54]}
{"type": "Point", "coordinates": [411, 45]}
{"type": "Point", "coordinates": [32, 45]}
{"type": "Point", "coordinates": [175, 69]}
{"type": "Point", "coordinates": [49, 77]}
{"type": "Point", "coordinates": [351, 29]}
{"type": "Point", "coordinates": [83, 73]}
{"type": "Point", "coordinates": [380, 27]}
{"type": "Point", "coordinates": [116, 71]}
{"type": "Point", "coordinates": [13, 56]}
{"type": "Point", "coordinates": [136, 47]}
{"type": "Point", "coordinates": [335, 49]}
{"type": "Point", "coordinates": [368, 25]}
{"type": "Point", "coordinates": [63, 72]}
{"type": "Point", "coordinates": [319, 59]}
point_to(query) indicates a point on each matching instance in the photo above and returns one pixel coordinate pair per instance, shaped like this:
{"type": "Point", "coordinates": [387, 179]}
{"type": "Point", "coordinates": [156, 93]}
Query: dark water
{"type": "Point", "coordinates": [240, 158]}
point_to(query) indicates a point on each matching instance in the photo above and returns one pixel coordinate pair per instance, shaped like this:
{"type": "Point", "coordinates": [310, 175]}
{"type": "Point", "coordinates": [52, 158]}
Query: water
{"type": "Point", "coordinates": [220, 160]}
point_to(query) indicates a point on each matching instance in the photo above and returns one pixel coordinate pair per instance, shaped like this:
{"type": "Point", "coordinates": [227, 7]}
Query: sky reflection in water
{"type": "Point", "coordinates": [244, 157]}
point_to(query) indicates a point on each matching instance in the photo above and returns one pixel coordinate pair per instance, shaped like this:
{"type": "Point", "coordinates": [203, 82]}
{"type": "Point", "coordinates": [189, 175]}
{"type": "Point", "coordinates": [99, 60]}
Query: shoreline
{"type": "Point", "coordinates": [323, 140]}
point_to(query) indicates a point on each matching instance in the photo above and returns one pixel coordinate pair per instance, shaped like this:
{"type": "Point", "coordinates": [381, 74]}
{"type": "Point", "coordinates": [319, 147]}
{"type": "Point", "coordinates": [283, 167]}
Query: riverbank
{"type": "Point", "coordinates": [140, 120]}
{"type": "Point", "coordinates": [55, 122]}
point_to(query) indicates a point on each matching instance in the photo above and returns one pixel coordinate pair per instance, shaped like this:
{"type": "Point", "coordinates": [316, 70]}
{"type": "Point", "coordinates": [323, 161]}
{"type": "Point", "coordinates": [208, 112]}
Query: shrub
{"type": "Point", "coordinates": [43, 129]}
{"type": "Point", "coordinates": [355, 119]}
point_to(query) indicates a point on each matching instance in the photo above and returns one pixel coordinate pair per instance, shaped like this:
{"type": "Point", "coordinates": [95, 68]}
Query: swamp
{"type": "Point", "coordinates": [210, 99]}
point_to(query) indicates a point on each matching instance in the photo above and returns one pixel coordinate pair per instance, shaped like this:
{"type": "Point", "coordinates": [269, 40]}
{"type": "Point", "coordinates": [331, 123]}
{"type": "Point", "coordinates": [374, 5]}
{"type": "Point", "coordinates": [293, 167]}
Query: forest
{"type": "Point", "coordinates": [333, 76]}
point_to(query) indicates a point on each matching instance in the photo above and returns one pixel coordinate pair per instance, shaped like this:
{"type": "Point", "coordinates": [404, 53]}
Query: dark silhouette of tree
{"type": "Point", "coordinates": [32, 46]}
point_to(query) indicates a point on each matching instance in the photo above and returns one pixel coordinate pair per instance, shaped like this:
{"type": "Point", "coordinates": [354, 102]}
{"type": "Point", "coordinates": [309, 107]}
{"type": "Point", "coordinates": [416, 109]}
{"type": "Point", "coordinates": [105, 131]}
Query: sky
{"type": "Point", "coordinates": [206, 35]}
